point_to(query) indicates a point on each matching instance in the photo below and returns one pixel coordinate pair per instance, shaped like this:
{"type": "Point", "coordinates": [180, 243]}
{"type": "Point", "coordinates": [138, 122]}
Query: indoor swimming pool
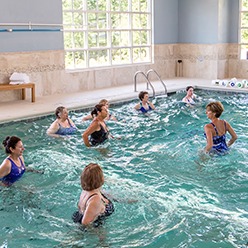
{"type": "Point", "coordinates": [169, 193]}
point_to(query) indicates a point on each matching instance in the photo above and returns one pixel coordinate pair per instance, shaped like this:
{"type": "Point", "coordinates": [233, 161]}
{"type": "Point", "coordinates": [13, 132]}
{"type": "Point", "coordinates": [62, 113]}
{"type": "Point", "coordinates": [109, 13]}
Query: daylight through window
{"type": "Point", "coordinates": [244, 29]}
{"type": "Point", "coordinates": [107, 32]}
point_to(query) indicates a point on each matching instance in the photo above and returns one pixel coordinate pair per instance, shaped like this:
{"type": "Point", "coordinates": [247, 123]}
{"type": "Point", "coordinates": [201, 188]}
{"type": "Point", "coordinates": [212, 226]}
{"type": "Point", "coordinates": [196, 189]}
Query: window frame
{"type": "Point", "coordinates": [243, 51]}
{"type": "Point", "coordinates": [144, 51]}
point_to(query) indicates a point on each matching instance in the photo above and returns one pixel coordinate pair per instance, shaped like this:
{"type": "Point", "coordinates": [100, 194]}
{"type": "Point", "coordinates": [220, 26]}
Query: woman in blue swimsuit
{"type": "Point", "coordinates": [145, 105]}
{"type": "Point", "coordinates": [13, 167]}
{"type": "Point", "coordinates": [215, 132]}
{"type": "Point", "coordinates": [97, 132]}
{"type": "Point", "coordinates": [63, 125]}
{"type": "Point", "coordinates": [190, 96]}
{"type": "Point", "coordinates": [93, 205]}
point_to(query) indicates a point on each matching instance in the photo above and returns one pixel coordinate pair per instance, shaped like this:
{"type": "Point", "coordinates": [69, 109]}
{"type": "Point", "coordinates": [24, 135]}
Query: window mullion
{"type": "Point", "coordinates": [124, 23]}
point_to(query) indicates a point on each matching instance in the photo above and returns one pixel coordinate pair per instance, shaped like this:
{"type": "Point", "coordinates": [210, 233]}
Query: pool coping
{"type": "Point", "coordinates": [44, 106]}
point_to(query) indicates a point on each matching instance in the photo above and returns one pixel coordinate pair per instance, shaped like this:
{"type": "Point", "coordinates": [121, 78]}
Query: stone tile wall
{"type": "Point", "coordinates": [47, 70]}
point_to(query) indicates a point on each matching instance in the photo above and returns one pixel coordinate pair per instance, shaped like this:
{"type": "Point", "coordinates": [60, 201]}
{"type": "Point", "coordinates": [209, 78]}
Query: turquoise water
{"type": "Point", "coordinates": [170, 195]}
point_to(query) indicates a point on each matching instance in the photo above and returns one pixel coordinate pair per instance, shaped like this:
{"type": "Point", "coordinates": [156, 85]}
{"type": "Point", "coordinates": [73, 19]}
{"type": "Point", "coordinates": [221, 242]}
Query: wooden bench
{"type": "Point", "coordinates": [22, 87]}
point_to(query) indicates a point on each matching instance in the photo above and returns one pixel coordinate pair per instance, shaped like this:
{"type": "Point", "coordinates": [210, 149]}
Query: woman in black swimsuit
{"type": "Point", "coordinates": [93, 206]}
{"type": "Point", "coordinates": [97, 130]}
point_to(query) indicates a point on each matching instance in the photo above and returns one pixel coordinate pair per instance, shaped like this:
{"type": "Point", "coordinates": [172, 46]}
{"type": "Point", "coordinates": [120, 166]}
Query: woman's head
{"type": "Point", "coordinates": [189, 87]}
{"type": "Point", "coordinates": [142, 95]}
{"type": "Point", "coordinates": [98, 109]}
{"type": "Point", "coordinates": [104, 102]}
{"type": "Point", "coordinates": [11, 142]}
{"type": "Point", "coordinates": [215, 107]}
{"type": "Point", "coordinates": [59, 111]}
{"type": "Point", "coordinates": [92, 177]}
{"type": "Point", "coordinates": [190, 90]}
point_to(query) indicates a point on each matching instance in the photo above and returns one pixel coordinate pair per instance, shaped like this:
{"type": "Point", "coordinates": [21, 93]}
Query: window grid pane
{"type": "Point", "coordinates": [243, 32]}
{"type": "Point", "coordinates": [244, 5]}
{"type": "Point", "coordinates": [106, 32]}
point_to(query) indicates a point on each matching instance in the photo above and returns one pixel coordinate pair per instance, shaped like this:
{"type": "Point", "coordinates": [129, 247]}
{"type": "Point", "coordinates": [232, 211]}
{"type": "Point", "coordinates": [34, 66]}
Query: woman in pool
{"type": "Point", "coordinates": [13, 167]}
{"type": "Point", "coordinates": [215, 131]}
{"type": "Point", "coordinates": [93, 205]}
{"type": "Point", "coordinates": [189, 98]}
{"type": "Point", "coordinates": [145, 105]}
{"type": "Point", "coordinates": [109, 116]}
{"type": "Point", "coordinates": [97, 130]}
{"type": "Point", "coordinates": [63, 125]}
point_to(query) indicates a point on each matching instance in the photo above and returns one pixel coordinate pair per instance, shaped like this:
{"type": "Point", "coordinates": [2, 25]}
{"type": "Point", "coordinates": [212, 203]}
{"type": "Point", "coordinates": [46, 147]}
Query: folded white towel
{"type": "Point", "coordinates": [16, 82]}
{"type": "Point", "coordinates": [19, 77]}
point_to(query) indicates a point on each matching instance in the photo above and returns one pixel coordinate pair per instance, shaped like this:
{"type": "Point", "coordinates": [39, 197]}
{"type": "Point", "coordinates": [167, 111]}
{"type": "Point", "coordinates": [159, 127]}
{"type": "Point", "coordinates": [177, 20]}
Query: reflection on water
{"type": "Point", "coordinates": [169, 194]}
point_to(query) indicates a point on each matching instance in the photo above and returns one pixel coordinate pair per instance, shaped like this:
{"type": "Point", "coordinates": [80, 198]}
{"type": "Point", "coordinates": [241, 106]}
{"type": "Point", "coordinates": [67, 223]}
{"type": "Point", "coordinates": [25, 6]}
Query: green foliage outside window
{"type": "Point", "coordinates": [244, 5]}
{"type": "Point", "coordinates": [106, 32]}
{"type": "Point", "coordinates": [244, 29]}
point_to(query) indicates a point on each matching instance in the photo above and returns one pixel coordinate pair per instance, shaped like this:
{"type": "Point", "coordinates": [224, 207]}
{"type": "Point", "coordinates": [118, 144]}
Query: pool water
{"type": "Point", "coordinates": [169, 193]}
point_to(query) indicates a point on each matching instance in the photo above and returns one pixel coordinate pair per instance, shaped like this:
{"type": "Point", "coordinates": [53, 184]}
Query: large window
{"type": "Point", "coordinates": [244, 28]}
{"type": "Point", "coordinates": [107, 32]}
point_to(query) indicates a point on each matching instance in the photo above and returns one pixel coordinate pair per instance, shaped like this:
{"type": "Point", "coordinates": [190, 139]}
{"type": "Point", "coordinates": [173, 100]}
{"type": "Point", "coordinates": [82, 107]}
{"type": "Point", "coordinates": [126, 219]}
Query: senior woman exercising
{"type": "Point", "coordinates": [93, 205]}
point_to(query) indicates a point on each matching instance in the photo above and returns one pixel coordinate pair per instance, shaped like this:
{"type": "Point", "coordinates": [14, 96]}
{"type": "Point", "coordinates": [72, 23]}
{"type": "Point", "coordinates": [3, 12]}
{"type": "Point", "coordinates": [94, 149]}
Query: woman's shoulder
{"type": "Point", "coordinates": [53, 127]}
{"type": "Point", "coordinates": [95, 122]}
{"type": "Point", "coordinates": [184, 99]}
{"type": "Point", "coordinates": [55, 123]}
{"type": "Point", "coordinates": [22, 159]}
{"type": "Point", "coordinates": [94, 198]}
{"type": "Point", "coordinates": [71, 121]}
{"type": "Point", "coordinates": [6, 163]}
{"type": "Point", "coordinates": [226, 123]}
{"type": "Point", "coordinates": [138, 105]}
{"type": "Point", "coordinates": [209, 125]}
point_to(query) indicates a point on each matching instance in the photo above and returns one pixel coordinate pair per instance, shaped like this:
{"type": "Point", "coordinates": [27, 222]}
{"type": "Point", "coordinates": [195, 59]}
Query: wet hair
{"type": "Point", "coordinates": [142, 94]}
{"type": "Point", "coordinates": [103, 101]}
{"type": "Point", "coordinates": [59, 111]}
{"type": "Point", "coordinates": [97, 108]}
{"type": "Point", "coordinates": [92, 177]}
{"type": "Point", "coordinates": [189, 87]}
{"type": "Point", "coordinates": [216, 107]}
{"type": "Point", "coordinates": [10, 142]}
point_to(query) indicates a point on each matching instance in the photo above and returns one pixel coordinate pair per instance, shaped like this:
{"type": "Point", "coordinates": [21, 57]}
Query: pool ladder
{"type": "Point", "coordinates": [148, 82]}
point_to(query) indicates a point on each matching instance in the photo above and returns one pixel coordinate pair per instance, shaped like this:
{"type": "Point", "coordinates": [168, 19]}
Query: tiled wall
{"type": "Point", "coordinates": [47, 69]}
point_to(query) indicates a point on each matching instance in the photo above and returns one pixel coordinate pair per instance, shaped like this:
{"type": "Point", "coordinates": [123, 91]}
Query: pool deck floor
{"type": "Point", "coordinates": [25, 109]}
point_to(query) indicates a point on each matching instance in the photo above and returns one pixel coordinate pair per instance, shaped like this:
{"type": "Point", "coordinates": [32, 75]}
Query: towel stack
{"type": "Point", "coordinates": [19, 78]}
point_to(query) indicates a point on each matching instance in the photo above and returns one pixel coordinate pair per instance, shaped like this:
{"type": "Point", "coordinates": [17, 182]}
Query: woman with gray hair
{"type": "Point", "coordinates": [63, 125]}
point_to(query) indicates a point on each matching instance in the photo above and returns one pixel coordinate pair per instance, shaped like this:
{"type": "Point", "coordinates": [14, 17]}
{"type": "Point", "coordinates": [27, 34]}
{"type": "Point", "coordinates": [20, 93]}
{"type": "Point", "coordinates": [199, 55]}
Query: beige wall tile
{"type": "Point", "coordinates": [47, 70]}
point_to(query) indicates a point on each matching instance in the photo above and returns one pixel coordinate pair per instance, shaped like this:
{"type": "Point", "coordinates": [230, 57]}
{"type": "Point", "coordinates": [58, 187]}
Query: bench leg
{"type": "Point", "coordinates": [33, 93]}
{"type": "Point", "coordinates": [23, 94]}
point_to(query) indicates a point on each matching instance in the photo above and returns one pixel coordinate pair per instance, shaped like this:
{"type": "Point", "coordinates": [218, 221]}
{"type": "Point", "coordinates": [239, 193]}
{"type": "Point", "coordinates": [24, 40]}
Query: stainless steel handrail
{"type": "Point", "coordinates": [29, 26]}
{"type": "Point", "coordinates": [147, 81]}
{"type": "Point", "coordinates": [152, 70]}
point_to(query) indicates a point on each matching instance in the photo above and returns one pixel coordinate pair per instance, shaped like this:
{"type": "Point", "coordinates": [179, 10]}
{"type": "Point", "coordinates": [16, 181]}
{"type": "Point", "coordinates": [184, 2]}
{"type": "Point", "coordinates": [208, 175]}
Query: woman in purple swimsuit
{"type": "Point", "coordinates": [13, 167]}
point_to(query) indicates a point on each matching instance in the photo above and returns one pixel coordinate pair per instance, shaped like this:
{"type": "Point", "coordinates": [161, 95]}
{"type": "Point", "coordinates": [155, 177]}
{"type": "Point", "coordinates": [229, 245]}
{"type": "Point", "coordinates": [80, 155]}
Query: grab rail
{"type": "Point", "coordinates": [147, 81]}
{"type": "Point", "coordinates": [26, 27]}
{"type": "Point", "coordinates": [151, 70]}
